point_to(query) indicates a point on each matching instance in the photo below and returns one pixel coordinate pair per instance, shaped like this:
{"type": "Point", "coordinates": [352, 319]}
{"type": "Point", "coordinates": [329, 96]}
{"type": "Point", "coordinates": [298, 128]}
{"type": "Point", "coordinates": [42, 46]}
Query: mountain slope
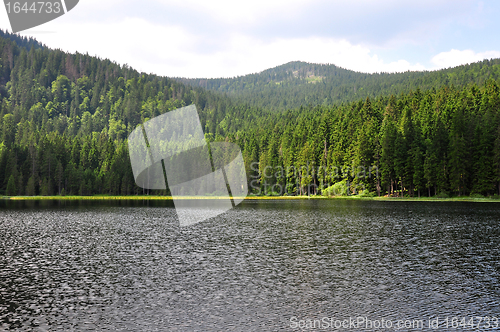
{"type": "Point", "coordinates": [65, 119]}
{"type": "Point", "coordinates": [298, 84]}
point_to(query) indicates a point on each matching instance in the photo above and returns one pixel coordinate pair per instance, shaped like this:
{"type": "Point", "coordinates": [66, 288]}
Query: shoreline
{"type": "Point", "coordinates": [170, 198]}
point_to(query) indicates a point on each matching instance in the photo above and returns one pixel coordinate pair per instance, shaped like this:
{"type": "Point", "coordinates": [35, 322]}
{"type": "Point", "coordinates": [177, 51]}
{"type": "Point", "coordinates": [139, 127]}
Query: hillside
{"type": "Point", "coordinates": [65, 119]}
{"type": "Point", "coordinates": [298, 84]}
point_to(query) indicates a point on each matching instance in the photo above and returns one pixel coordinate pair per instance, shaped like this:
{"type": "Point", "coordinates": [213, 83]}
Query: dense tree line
{"type": "Point", "coordinates": [298, 84]}
{"type": "Point", "coordinates": [65, 119]}
{"type": "Point", "coordinates": [437, 142]}
{"type": "Point", "coordinates": [26, 42]}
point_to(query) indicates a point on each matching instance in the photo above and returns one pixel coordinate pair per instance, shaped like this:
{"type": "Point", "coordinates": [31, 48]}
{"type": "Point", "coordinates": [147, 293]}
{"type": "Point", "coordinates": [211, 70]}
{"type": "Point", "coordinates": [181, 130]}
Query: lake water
{"type": "Point", "coordinates": [263, 266]}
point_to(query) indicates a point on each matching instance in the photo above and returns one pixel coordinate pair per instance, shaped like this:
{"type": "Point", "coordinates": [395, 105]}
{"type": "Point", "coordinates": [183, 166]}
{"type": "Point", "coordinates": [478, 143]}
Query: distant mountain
{"type": "Point", "coordinates": [300, 83]}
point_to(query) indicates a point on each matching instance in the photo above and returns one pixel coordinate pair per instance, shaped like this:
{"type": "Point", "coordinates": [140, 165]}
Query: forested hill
{"type": "Point", "coordinates": [298, 84]}
{"type": "Point", "coordinates": [25, 42]}
{"type": "Point", "coordinates": [71, 88]}
{"type": "Point", "coordinates": [65, 119]}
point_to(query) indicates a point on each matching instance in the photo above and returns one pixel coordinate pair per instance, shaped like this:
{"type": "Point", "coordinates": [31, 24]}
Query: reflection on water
{"type": "Point", "coordinates": [127, 266]}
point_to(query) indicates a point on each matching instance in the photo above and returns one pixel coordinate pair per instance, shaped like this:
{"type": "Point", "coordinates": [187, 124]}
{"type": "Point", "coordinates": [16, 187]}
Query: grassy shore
{"type": "Point", "coordinates": [168, 198]}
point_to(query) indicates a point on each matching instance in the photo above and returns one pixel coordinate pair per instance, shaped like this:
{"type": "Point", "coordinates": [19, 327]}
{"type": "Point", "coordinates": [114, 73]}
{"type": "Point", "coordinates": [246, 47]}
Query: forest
{"type": "Point", "coordinates": [298, 83]}
{"type": "Point", "coordinates": [65, 119]}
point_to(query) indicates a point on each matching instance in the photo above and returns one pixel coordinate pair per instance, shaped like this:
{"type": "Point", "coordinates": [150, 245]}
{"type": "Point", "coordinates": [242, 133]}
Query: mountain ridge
{"type": "Point", "coordinates": [299, 83]}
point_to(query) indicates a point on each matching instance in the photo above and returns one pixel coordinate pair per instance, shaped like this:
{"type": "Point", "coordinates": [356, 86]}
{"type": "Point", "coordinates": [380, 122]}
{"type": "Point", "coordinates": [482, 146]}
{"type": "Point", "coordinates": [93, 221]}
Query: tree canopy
{"type": "Point", "coordinates": [65, 119]}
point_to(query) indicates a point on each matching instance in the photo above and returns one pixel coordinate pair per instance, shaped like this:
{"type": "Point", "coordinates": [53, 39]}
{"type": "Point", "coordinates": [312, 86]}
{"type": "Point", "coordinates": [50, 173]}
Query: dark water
{"type": "Point", "coordinates": [75, 266]}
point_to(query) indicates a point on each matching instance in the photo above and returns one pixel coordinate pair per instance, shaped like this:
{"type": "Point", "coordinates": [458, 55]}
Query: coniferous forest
{"type": "Point", "coordinates": [303, 129]}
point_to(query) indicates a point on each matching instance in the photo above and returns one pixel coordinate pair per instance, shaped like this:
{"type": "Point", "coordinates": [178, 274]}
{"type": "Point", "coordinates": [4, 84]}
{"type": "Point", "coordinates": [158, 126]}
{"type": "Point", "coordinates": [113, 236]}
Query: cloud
{"type": "Point", "coordinates": [174, 50]}
{"type": "Point", "coordinates": [221, 38]}
{"type": "Point", "coordinates": [239, 12]}
{"type": "Point", "coordinates": [316, 49]}
{"type": "Point", "coordinates": [364, 22]}
{"type": "Point", "coordinates": [456, 58]}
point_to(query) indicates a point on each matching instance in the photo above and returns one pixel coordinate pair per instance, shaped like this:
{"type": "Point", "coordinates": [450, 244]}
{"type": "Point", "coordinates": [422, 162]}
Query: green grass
{"type": "Point", "coordinates": [168, 198]}
{"type": "Point", "coordinates": [93, 198]}
{"type": "Point", "coordinates": [407, 199]}
{"type": "Point", "coordinates": [104, 197]}
{"type": "Point", "coordinates": [433, 199]}
{"type": "Point", "coordinates": [253, 197]}
{"type": "Point", "coordinates": [314, 79]}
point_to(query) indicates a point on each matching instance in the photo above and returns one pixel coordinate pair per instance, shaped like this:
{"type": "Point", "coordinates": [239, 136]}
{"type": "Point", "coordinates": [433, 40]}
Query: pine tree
{"type": "Point", "coordinates": [11, 186]}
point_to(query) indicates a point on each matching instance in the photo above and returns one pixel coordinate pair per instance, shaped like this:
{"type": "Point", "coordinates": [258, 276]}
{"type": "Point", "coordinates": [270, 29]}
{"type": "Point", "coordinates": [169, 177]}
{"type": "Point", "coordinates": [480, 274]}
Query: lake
{"type": "Point", "coordinates": [267, 265]}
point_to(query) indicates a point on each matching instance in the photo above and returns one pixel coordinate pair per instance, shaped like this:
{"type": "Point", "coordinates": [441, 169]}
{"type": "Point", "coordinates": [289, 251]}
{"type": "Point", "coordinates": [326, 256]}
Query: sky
{"type": "Point", "coordinates": [219, 38]}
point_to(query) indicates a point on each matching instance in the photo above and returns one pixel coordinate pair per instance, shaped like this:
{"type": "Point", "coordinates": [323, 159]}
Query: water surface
{"type": "Point", "coordinates": [127, 266]}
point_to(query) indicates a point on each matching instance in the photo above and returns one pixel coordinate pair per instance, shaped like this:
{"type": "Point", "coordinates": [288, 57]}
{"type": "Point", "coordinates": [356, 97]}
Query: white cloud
{"type": "Point", "coordinates": [171, 50]}
{"type": "Point", "coordinates": [456, 58]}
{"type": "Point", "coordinates": [239, 12]}
{"type": "Point", "coordinates": [245, 49]}
{"type": "Point", "coordinates": [162, 48]}
{"type": "Point", "coordinates": [4, 20]}
{"type": "Point", "coordinates": [134, 41]}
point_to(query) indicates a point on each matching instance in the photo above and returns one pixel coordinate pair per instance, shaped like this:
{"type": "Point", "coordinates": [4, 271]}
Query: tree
{"type": "Point", "coordinates": [30, 187]}
{"type": "Point", "coordinates": [388, 148]}
{"type": "Point", "coordinates": [59, 176]}
{"type": "Point", "coordinates": [11, 186]}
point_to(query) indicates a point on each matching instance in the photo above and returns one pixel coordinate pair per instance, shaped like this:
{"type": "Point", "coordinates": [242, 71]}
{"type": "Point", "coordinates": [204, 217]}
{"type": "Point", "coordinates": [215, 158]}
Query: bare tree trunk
{"type": "Point", "coordinates": [378, 187]}
{"type": "Point", "coordinates": [314, 181]}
